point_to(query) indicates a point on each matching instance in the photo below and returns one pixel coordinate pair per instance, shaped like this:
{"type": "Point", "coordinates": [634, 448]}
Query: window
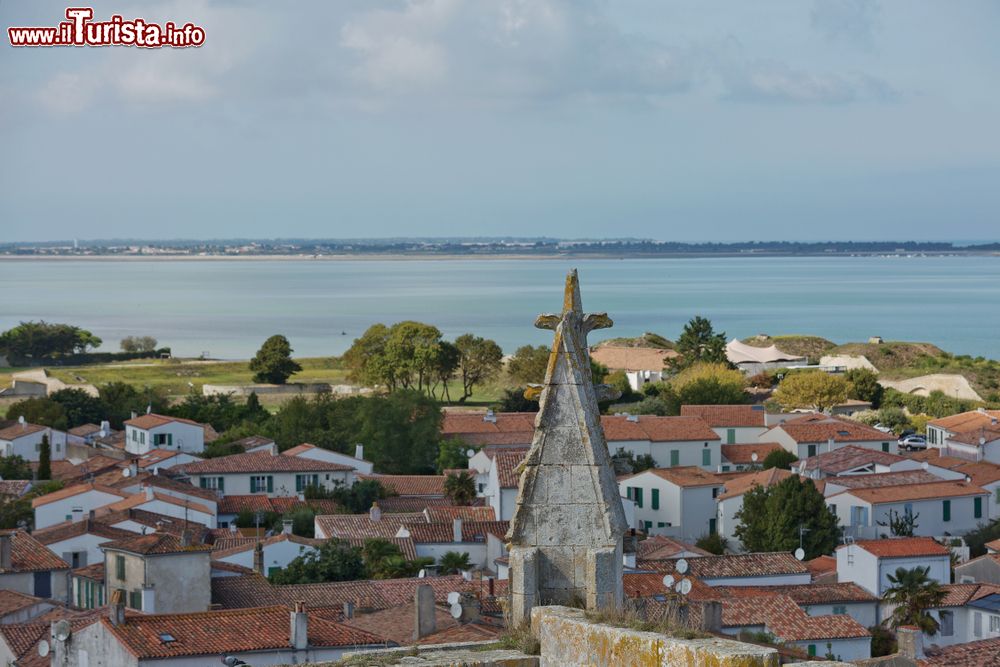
{"type": "Point", "coordinates": [946, 510]}
{"type": "Point", "coordinates": [947, 623]}
{"type": "Point", "coordinates": [120, 567]}
{"type": "Point", "coordinates": [135, 436]}
{"type": "Point", "coordinates": [711, 526]}
{"type": "Point", "coordinates": [730, 436]}
{"type": "Point", "coordinates": [217, 483]}
{"type": "Point", "coordinates": [706, 457]}
{"type": "Point", "coordinates": [302, 481]}
{"type": "Point", "coordinates": [840, 610]}
{"type": "Point", "coordinates": [163, 439]}
{"type": "Point", "coordinates": [142, 437]}
{"type": "Point", "coordinates": [637, 496]}
{"type": "Point", "coordinates": [726, 469]}
{"type": "Point", "coordinates": [977, 507]}
{"type": "Point", "coordinates": [812, 651]}
{"type": "Point", "coordinates": [998, 495]}
{"type": "Point", "coordinates": [675, 457]}
{"type": "Point", "coordinates": [648, 524]}
{"type": "Point", "coordinates": [994, 623]}
{"type": "Point", "coordinates": [135, 600]}
{"type": "Point", "coordinates": [885, 446]}
{"type": "Point", "coordinates": [261, 484]}
{"type": "Point", "coordinates": [715, 492]}
{"type": "Point", "coordinates": [655, 501]}
{"type": "Point", "coordinates": [660, 524]}
{"type": "Point", "coordinates": [810, 450]}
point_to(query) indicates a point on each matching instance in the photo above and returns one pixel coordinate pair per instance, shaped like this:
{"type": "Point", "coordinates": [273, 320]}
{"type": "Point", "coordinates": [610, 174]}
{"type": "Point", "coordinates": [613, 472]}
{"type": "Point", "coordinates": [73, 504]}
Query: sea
{"type": "Point", "coordinates": [226, 308]}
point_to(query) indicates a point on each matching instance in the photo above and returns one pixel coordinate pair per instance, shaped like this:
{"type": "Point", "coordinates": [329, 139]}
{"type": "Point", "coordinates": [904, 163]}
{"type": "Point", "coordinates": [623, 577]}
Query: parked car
{"type": "Point", "coordinates": [913, 442]}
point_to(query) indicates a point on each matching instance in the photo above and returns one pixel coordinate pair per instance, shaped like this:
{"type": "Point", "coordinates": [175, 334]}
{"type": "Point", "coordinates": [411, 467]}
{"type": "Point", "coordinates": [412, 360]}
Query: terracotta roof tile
{"type": "Point", "coordinates": [625, 358]}
{"type": "Point", "coordinates": [848, 458]}
{"type": "Point", "coordinates": [835, 428]}
{"type": "Point", "coordinates": [742, 453]}
{"type": "Point", "coordinates": [727, 416]}
{"type": "Point", "coordinates": [786, 620]}
{"type": "Point", "coordinates": [766, 478]}
{"type": "Point", "coordinates": [251, 462]}
{"type": "Point", "coordinates": [137, 500]}
{"type": "Point", "coordinates": [410, 485]}
{"type": "Point", "coordinates": [513, 428]}
{"type": "Point", "coordinates": [446, 513]}
{"type": "Point", "coordinates": [75, 490]}
{"type": "Point", "coordinates": [94, 571]}
{"type": "Point", "coordinates": [805, 594]}
{"type": "Point", "coordinates": [226, 631]}
{"type": "Point", "coordinates": [982, 653]}
{"type": "Point", "coordinates": [251, 503]}
{"type": "Point", "coordinates": [362, 526]}
{"type": "Point", "coordinates": [901, 547]}
{"type": "Point", "coordinates": [11, 601]}
{"type": "Point", "coordinates": [507, 464]}
{"type": "Point", "coordinates": [994, 545]}
{"type": "Point", "coordinates": [442, 533]}
{"type": "Point", "coordinates": [659, 547]}
{"type": "Point", "coordinates": [411, 504]}
{"type": "Point", "coordinates": [734, 565]}
{"type": "Point", "coordinates": [154, 544]}
{"type": "Point", "coordinates": [822, 567]}
{"type": "Point", "coordinates": [895, 494]}
{"type": "Point", "coordinates": [17, 430]}
{"type": "Point", "coordinates": [684, 476]}
{"type": "Point", "coordinates": [69, 529]}
{"type": "Point", "coordinates": [29, 555]}
{"type": "Point", "coordinates": [657, 429]}
{"type": "Point", "coordinates": [882, 479]}
{"type": "Point", "coordinates": [14, 488]}
{"type": "Point", "coordinates": [222, 550]}
{"type": "Point", "coordinates": [153, 420]}
{"type": "Point", "coordinates": [964, 422]}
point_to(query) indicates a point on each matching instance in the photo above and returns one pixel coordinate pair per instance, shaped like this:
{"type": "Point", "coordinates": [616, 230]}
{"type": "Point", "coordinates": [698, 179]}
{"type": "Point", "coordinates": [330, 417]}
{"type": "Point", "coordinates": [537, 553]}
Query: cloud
{"type": "Point", "coordinates": [850, 21]}
{"type": "Point", "coordinates": [773, 82]}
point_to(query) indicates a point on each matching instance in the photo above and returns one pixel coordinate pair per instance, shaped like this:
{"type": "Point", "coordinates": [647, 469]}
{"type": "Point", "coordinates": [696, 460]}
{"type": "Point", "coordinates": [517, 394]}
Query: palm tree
{"type": "Point", "coordinates": [453, 562]}
{"type": "Point", "coordinates": [460, 488]}
{"type": "Point", "coordinates": [912, 593]}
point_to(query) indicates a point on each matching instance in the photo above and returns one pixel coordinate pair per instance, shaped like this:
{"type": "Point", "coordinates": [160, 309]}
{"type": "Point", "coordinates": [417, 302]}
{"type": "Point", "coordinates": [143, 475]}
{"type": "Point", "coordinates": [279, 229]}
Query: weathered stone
{"type": "Point", "coordinates": [568, 639]}
{"type": "Point", "coordinates": [568, 505]}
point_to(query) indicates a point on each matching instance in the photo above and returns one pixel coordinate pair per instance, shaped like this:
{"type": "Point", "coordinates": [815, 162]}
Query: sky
{"type": "Point", "coordinates": [678, 120]}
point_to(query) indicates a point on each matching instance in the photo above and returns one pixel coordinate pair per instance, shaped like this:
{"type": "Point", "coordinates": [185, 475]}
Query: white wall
{"type": "Point", "coordinates": [929, 515]}
{"type": "Point", "coordinates": [685, 512]}
{"type": "Point", "coordinates": [328, 456]}
{"type": "Point", "coordinates": [741, 434]}
{"type": "Point", "coordinates": [476, 551]}
{"type": "Point", "coordinates": [763, 580]}
{"type": "Point", "coordinates": [28, 446]}
{"type": "Point", "coordinates": [689, 452]}
{"type": "Point", "coordinates": [178, 512]}
{"type": "Point", "coordinates": [727, 508]}
{"type": "Point", "coordinates": [865, 613]}
{"type": "Point", "coordinates": [841, 649]}
{"type": "Point", "coordinates": [184, 438]}
{"type": "Point", "coordinates": [87, 545]}
{"type": "Point", "coordinates": [857, 565]}
{"type": "Point", "coordinates": [61, 510]}
{"type": "Point", "coordinates": [278, 554]}
{"type": "Point", "coordinates": [283, 482]}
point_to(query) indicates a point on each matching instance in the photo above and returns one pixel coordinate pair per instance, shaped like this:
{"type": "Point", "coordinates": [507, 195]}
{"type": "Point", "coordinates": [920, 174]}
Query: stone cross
{"type": "Point", "coordinates": [566, 533]}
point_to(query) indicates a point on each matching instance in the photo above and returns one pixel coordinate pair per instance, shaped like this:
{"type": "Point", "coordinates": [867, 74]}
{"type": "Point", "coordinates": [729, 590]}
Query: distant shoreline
{"type": "Point", "coordinates": [485, 256]}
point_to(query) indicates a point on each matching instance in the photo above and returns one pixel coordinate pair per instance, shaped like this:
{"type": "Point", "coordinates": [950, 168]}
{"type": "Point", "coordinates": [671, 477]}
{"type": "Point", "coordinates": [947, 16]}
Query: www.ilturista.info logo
{"type": "Point", "coordinates": [80, 30]}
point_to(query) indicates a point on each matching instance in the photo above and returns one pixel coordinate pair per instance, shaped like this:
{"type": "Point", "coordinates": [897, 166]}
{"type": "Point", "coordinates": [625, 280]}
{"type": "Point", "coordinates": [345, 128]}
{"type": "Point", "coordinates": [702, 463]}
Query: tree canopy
{"type": "Point", "coordinates": [43, 341]}
{"type": "Point", "coordinates": [709, 383]}
{"type": "Point", "coordinates": [812, 389]}
{"type": "Point", "coordinates": [771, 519]}
{"type": "Point", "coordinates": [460, 488]}
{"type": "Point", "coordinates": [334, 560]}
{"type": "Point", "coordinates": [273, 362]}
{"type": "Point", "coordinates": [138, 344]}
{"type": "Point", "coordinates": [699, 342]}
{"type": "Point", "coordinates": [528, 364]}
{"type": "Point", "coordinates": [480, 360]}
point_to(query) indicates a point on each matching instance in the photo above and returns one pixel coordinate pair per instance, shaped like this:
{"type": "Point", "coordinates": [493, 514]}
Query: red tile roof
{"type": "Point", "coordinates": [895, 494]}
{"type": "Point", "coordinates": [227, 631]}
{"type": "Point", "coordinates": [737, 486]}
{"type": "Point", "coordinates": [410, 485]}
{"type": "Point", "coordinates": [518, 428]}
{"type": "Point", "coordinates": [139, 499]}
{"type": "Point", "coordinates": [11, 601]}
{"type": "Point", "coordinates": [396, 624]}
{"type": "Point", "coordinates": [16, 430]}
{"type": "Point", "coordinates": [251, 462]}
{"type": "Point", "coordinates": [838, 429]}
{"type": "Point", "coordinates": [507, 463]}
{"type": "Point", "coordinates": [742, 454]}
{"type": "Point", "coordinates": [445, 513]}
{"type": "Point", "coordinates": [29, 555]}
{"type": "Point", "coordinates": [94, 571]}
{"type": "Point", "coordinates": [222, 550]}
{"type": "Point", "coordinates": [657, 429]}
{"type": "Point", "coordinates": [252, 503]}
{"type": "Point", "coordinates": [152, 420]}
{"type": "Point", "coordinates": [805, 594]}
{"type": "Point", "coordinates": [660, 547]}
{"type": "Point", "coordinates": [440, 533]}
{"type": "Point", "coordinates": [786, 620]}
{"type": "Point", "coordinates": [877, 480]}
{"type": "Point", "coordinates": [727, 416]}
{"type": "Point", "coordinates": [958, 595]}
{"type": "Point", "coordinates": [822, 567]}
{"type": "Point", "coordinates": [847, 458]}
{"type": "Point", "coordinates": [733, 565]}
{"type": "Point", "coordinates": [75, 490]}
{"type": "Point", "coordinates": [361, 525]}
{"type": "Point", "coordinates": [155, 544]}
{"type": "Point", "coordinates": [69, 529]}
{"type": "Point", "coordinates": [964, 422]}
{"type": "Point", "coordinates": [683, 476]}
{"type": "Point", "coordinates": [901, 547]}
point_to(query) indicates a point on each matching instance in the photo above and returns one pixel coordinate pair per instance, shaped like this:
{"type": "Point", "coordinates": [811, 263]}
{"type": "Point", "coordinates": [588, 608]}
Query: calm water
{"type": "Point", "coordinates": [227, 308]}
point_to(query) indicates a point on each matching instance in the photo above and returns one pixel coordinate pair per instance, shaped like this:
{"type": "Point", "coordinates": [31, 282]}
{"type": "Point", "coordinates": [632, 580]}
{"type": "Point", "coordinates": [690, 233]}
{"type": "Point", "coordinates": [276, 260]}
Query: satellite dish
{"type": "Point", "coordinates": [668, 581]}
{"type": "Point", "coordinates": [126, 472]}
{"type": "Point", "coordinates": [454, 597]}
{"type": "Point", "coordinates": [62, 630]}
{"type": "Point", "coordinates": [43, 648]}
{"type": "Point", "coordinates": [682, 566]}
{"type": "Point", "coordinates": [968, 479]}
{"type": "Point", "coordinates": [456, 610]}
{"type": "Point", "coordinates": [470, 453]}
{"type": "Point", "coordinates": [754, 457]}
{"type": "Point", "coordinates": [422, 574]}
{"type": "Point", "coordinates": [685, 586]}
{"type": "Point", "coordinates": [800, 553]}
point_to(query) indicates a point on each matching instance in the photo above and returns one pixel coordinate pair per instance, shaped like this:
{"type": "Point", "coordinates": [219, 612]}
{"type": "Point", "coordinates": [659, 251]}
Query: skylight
{"type": "Point", "coordinates": [166, 637]}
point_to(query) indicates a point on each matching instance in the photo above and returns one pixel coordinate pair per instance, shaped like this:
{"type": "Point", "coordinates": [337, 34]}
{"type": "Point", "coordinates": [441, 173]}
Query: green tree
{"type": "Point", "coordinates": [403, 429]}
{"type": "Point", "coordinates": [771, 519]}
{"type": "Point", "coordinates": [779, 458]}
{"type": "Point", "coordinates": [864, 386]}
{"type": "Point", "coordinates": [45, 459]}
{"type": "Point", "coordinates": [39, 410]}
{"type": "Point", "coordinates": [619, 381]}
{"type": "Point", "coordinates": [911, 593]}
{"type": "Point", "coordinates": [334, 560]}
{"type": "Point", "coordinates": [132, 344]}
{"type": "Point", "coordinates": [80, 407]}
{"type": "Point", "coordinates": [384, 560]}
{"type": "Point", "coordinates": [713, 543]}
{"type": "Point", "coordinates": [406, 355]}
{"type": "Point", "coordinates": [706, 383]}
{"type": "Point", "coordinates": [627, 463]}
{"type": "Point", "coordinates": [699, 342]}
{"type": "Point", "coordinates": [900, 525]}
{"type": "Point", "coordinates": [528, 364]}
{"type": "Point", "coordinates": [359, 497]}
{"type": "Point", "coordinates": [812, 389]}
{"type": "Point", "coordinates": [452, 455]}
{"type": "Point", "coordinates": [894, 418]}
{"type": "Point", "coordinates": [273, 362]}
{"type": "Point", "coordinates": [303, 520]}
{"type": "Point", "coordinates": [883, 641]}
{"type": "Point", "coordinates": [121, 399]}
{"type": "Point", "coordinates": [453, 562]}
{"type": "Point", "coordinates": [513, 400]}
{"type": "Point", "coordinates": [480, 360]}
{"type": "Point", "coordinates": [33, 342]}
{"type": "Point", "coordinates": [460, 488]}
{"type": "Point", "coordinates": [15, 467]}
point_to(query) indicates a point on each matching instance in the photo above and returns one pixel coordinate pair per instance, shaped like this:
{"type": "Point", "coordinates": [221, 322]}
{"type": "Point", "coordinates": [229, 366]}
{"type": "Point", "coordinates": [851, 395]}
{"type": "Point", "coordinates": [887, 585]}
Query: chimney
{"type": "Point", "coordinates": [232, 528]}
{"type": "Point", "coordinates": [299, 627]}
{"type": "Point", "coordinates": [258, 558]}
{"type": "Point", "coordinates": [20, 420]}
{"type": "Point", "coordinates": [134, 415]}
{"type": "Point", "coordinates": [286, 526]}
{"type": "Point", "coordinates": [470, 608]}
{"type": "Point", "coordinates": [910, 642]}
{"type": "Point", "coordinates": [490, 416]}
{"type": "Point", "coordinates": [186, 537]}
{"type": "Point", "coordinates": [77, 514]}
{"type": "Point", "coordinates": [5, 550]}
{"type": "Point", "coordinates": [424, 603]}
{"type": "Point", "coordinates": [456, 529]}
{"type": "Point", "coordinates": [105, 428]}
{"type": "Point", "coordinates": [149, 492]}
{"type": "Point", "coordinates": [359, 451]}
{"type": "Point", "coordinates": [490, 587]}
{"type": "Point", "coordinates": [348, 610]}
{"type": "Point", "coordinates": [829, 444]}
{"type": "Point", "coordinates": [375, 514]}
{"type": "Point", "coordinates": [133, 469]}
{"type": "Point", "coordinates": [116, 607]}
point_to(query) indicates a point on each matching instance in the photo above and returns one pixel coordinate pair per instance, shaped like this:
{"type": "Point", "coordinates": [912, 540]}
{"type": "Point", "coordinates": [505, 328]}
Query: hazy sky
{"type": "Point", "coordinates": [676, 120]}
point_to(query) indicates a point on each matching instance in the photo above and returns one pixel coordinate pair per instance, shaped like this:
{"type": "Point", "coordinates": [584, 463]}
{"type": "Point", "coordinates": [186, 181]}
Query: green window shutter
{"type": "Point", "coordinates": [885, 446]}
{"type": "Point", "coordinates": [812, 650]}
{"type": "Point", "coordinates": [120, 567]}
{"type": "Point", "coordinates": [675, 457]}
{"type": "Point", "coordinates": [655, 500]}
{"type": "Point", "coordinates": [203, 483]}
{"type": "Point", "coordinates": [946, 510]}
{"type": "Point", "coordinates": [628, 492]}
{"type": "Point", "coordinates": [977, 504]}
{"type": "Point", "coordinates": [270, 484]}
{"type": "Point", "coordinates": [222, 484]}
{"type": "Point", "coordinates": [711, 526]}
{"type": "Point", "coordinates": [811, 450]}
{"type": "Point", "coordinates": [299, 479]}
{"type": "Point", "coordinates": [649, 524]}
{"type": "Point", "coordinates": [638, 497]}
{"type": "Point", "coordinates": [730, 436]}
{"type": "Point", "coordinates": [706, 457]}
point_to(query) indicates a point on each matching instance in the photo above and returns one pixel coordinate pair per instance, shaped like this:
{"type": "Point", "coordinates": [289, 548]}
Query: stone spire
{"type": "Point", "coordinates": [568, 524]}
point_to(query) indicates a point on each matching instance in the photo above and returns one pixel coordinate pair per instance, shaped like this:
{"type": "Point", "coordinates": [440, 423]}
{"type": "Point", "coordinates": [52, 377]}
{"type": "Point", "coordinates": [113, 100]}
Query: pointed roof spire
{"type": "Point", "coordinates": [571, 296]}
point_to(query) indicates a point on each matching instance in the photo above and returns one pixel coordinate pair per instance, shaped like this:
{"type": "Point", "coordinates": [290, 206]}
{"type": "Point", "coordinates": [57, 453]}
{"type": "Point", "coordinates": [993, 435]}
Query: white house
{"type": "Point", "coordinates": [939, 431]}
{"type": "Point", "coordinates": [968, 613]}
{"type": "Point", "coordinates": [502, 479]}
{"type": "Point", "coordinates": [59, 506]}
{"type": "Point", "coordinates": [641, 365]}
{"type": "Point", "coordinates": [853, 460]}
{"type": "Point", "coordinates": [78, 542]}
{"type": "Point", "coordinates": [314, 453]}
{"type": "Point", "coordinates": [981, 445]}
{"type": "Point", "coordinates": [729, 501]}
{"type": "Point", "coordinates": [773, 568]}
{"type": "Point", "coordinates": [151, 431]}
{"type": "Point", "coordinates": [677, 502]}
{"type": "Point", "coordinates": [266, 473]}
{"type": "Point", "coordinates": [28, 567]}
{"type": "Point", "coordinates": [278, 551]}
{"type": "Point", "coordinates": [869, 563]}
{"type": "Point", "coordinates": [816, 433]}
{"type": "Point", "coordinates": [940, 508]}
{"type": "Point", "coordinates": [482, 541]}
{"type": "Point", "coordinates": [151, 500]}
{"type": "Point", "coordinates": [23, 439]}
{"type": "Point", "coordinates": [746, 457]}
{"type": "Point", "coordinates": [159, 459]}
{"type": "Point", "coordinates": [732, 423]}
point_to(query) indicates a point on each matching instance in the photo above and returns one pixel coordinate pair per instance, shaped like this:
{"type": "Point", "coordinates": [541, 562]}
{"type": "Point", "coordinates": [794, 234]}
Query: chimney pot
{"type": "Point", "coordinates": [299, 630]}
{"type": "Point", "coordinates": [375, 513]}
{"type": "Point", "coordinates": [426, 623]}
{"type": "Point", "coordinates": [456, 529]}
{"type": "Point", "coordinates": [910, 641]}
{"type": "Point", "coordinates": [286, 526]}
{"type": "Point", "coordinates": [348, 610]}
{"type": "Point", "coordinates": [359, 451]}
